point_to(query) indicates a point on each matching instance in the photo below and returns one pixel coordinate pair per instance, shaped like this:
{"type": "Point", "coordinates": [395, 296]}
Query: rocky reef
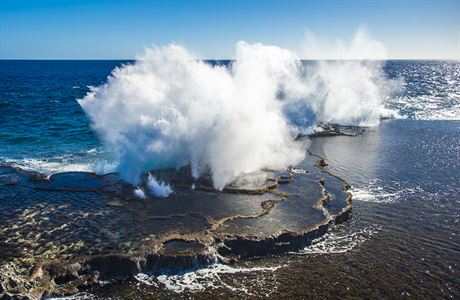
{"type": "Point", "coordinates": [61, 234]}
{"type": "Point", "coordinates": [328, 129]}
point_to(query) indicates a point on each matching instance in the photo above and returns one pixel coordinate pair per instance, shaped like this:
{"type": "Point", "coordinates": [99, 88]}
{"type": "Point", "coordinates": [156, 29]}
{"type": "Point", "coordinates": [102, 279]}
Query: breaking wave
{"type": "Point", "coordinates": [169, 109]}
{"type": "Point", "coordinates": [49, 166]}
{"type": "Point", "coordinates": [340, 239]}
{"type": "Point", "coordinates": [202, 279]}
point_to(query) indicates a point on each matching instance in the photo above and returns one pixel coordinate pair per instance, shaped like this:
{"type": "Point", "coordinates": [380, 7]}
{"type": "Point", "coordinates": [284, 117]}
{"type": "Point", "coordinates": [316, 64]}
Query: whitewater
{"type": "Point", "coordinates": [169, 109]}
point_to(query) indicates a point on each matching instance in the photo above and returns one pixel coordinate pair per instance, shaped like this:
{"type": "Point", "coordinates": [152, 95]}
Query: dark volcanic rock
{"type": "Point", "coordinates": [321, 163]}
{"type": "Point", "coordinates": [326, 130]}
{"type": "Point", "coordinates": [75, 229]}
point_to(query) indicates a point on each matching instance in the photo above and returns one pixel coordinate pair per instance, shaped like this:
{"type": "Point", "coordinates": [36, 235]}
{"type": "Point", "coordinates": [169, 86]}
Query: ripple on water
{"type": "Point", "coordinates": [375, 192]}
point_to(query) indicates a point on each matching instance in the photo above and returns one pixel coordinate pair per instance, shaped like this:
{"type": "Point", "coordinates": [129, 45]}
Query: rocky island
{"type": "Point", "coordinates": [61, 234]}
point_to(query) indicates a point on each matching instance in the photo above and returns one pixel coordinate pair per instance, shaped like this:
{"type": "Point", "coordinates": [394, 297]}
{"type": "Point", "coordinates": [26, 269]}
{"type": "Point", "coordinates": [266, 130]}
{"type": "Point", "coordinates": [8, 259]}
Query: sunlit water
{"type": "Point", "coordinates": [403, 239]}
{"type": "Point", "coordinates": [43, 127]}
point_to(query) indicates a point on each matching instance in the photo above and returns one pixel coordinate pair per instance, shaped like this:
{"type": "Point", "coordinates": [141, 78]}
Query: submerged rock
{"type": "Point", "coordinates": [75, 229]}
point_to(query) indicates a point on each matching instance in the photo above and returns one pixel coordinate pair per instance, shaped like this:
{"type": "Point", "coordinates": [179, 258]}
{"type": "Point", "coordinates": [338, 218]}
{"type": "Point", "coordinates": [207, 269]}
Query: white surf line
{"type": "Point", "coordinates": [337, 242]}
{"type": "Point", "coordinates": [201, 279]}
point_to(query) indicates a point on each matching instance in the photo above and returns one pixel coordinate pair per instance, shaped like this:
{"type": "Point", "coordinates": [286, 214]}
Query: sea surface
{"type": "Point", "coordinates": [402, 241]}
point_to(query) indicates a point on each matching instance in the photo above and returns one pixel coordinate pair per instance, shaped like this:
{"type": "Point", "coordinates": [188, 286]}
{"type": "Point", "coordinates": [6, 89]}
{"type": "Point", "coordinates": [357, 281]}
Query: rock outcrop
{"type": "Point", "coordinates": [74, 229]}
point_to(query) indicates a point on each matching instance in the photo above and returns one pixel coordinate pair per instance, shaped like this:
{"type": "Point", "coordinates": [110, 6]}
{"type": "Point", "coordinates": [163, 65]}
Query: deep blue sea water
{"type": "Point", "coordinates": [44, 128]}
{"type": "Point", "coordinates": [404, 237]}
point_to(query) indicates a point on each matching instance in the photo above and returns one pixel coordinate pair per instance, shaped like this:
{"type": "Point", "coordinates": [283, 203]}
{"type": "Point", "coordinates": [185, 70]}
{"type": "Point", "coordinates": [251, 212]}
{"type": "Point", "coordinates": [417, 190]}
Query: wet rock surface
{"type": "Point", "coordinates": [74, 229]}
{"type": "Point", "coordinates": [327, 129]}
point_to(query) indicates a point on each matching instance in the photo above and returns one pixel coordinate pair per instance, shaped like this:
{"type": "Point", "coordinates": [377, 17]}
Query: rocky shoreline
{"type": "Point", "coordinates": [76, 229]}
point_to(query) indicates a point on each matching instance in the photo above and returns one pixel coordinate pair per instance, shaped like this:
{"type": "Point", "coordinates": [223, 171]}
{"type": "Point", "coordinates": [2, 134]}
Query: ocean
{"type": "Point", "coordinates": [402, 240]}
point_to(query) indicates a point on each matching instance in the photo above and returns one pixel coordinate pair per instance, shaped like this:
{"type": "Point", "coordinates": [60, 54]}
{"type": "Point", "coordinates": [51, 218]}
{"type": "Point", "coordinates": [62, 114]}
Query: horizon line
{"type": "Point", "coordinates": [229, 59]}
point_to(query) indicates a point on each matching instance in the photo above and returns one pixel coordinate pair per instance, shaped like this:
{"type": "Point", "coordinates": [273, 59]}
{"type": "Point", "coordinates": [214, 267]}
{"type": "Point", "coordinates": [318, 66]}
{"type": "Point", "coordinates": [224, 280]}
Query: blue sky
{"type": "Point", "coordinates": [122, 28]}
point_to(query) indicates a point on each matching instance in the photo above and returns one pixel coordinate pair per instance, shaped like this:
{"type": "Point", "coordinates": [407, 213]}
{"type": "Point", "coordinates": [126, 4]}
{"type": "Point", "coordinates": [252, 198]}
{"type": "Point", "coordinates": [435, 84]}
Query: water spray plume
{"type": "Point", "coordinates": [169, 109]}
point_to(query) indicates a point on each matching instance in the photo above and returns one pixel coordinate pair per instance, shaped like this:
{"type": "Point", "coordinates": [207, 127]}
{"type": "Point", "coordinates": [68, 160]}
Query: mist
{"type": "Point", "coordinates": [169, 109]}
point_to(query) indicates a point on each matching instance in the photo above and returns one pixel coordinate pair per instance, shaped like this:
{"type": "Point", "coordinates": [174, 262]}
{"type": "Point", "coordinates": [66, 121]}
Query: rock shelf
{"type": "Point", "coordinates": [61, 234]}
